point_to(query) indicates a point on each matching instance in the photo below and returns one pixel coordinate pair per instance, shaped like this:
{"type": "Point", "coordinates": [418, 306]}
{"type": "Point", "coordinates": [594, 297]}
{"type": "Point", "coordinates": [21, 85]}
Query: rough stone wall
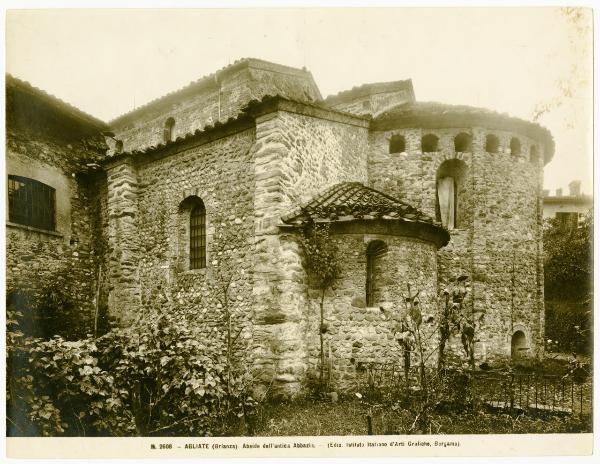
{"type": "Point", "coordinates": [123, 239]}
{"type": "Point", "coordinates": [146, 266]}
{"type": "Point", "coordinates": [500, 246]}
{"type": "Point", "coordinates": [357, 334]}
{"type": "Point", "coordinates": [297, 156]}
{"type": "Point", "coordinates": [217, 101]}
{"type": "Point", "coordinates": [37, 258]}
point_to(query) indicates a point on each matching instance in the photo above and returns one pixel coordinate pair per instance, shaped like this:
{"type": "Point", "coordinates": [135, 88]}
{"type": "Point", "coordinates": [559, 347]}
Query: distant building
{"type": "Point", "coordinates": [567, 208]}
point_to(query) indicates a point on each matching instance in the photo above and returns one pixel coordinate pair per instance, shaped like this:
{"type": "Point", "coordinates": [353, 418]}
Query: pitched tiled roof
{"type": "Point", "coordinates": [210, 79]}
{"type": "Point", "coordinates": [370, 89]}
{"type": "Point", "coordinates": [246, 114]}
{"type": "Point", "coordinates": [353, 200]}
{"type": "Point", "coordinates": [13, 82]}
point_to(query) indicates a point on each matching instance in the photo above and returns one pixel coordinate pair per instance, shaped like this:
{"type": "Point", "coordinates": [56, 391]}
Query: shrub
{"type": "Point", "coordinates": [50, 308]}
{"type": "Point", "coordinates": [157, 377]}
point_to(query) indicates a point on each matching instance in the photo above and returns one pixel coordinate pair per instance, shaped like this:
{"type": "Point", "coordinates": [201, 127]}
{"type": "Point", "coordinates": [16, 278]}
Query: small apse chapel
{"type": "Point", "coordinates": [220, 176]}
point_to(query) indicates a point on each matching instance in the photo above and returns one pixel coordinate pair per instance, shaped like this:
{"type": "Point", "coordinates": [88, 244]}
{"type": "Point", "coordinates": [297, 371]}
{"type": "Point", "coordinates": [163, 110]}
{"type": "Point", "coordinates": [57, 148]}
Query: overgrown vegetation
{"type": "Point", "coordinates": [416, 337]}
{"type": "Point", "coordinates": [349, 417]}
{"type": "Point", "coordinates": [156, 377]}
{"type": "Point", "coordinates": [323, 269]}
{"type": "Point", "coordinates": [165, 374]}
{"type": "Point", "coordinates": [568, 273]}
{"type": "Point", "coordinates": [49, 309]}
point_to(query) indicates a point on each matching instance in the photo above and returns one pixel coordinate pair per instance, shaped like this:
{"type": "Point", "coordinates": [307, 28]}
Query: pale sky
{"type": "Point", "coordinates": [509, 60]}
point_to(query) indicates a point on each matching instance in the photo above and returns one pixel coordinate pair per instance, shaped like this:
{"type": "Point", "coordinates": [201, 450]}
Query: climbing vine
{"type": "Point", "coordinates": [323, 269]}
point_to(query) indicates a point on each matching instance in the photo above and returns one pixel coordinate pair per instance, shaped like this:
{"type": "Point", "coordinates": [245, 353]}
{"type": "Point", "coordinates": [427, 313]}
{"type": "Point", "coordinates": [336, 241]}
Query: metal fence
{"type": "Point", "coordinates": [512, 391]}
{"type": "Point", "coordinates": [533, 392]}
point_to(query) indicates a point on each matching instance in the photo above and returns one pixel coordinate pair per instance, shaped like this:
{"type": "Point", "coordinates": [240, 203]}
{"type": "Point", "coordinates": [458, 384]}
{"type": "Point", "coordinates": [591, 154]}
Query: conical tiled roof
{"type": "Point", "coordinates": [353, 200]}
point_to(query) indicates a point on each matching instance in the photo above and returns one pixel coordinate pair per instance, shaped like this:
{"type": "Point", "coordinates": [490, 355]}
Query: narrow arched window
{"type": "Point", "coordinates": [429, 143]}
{"type": "Point", "coordinates": [515, 146]}
{"type": "Point", "coordinates": [462, 143]}
{"type": "Point", "coordinates": [451, 194]}
{"type": "Point", "coordinates": [198, 236]}
{"type": "Point", "coordinates": [119, 146]}
{"type": "Point", "coordinates": [492, 143]}
{"type": "Point", "coordinates": [397, 144]}
{"type": "Point", "coordinates": [168, 131]}
{"type": "Point", "coordinates": [534, 156]}
{"type": "Point", "coordinates": [375, 251]}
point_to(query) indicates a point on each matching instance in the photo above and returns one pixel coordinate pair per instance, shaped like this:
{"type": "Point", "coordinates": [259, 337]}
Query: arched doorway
{"type": "Point", "coordinates": [518, 345]}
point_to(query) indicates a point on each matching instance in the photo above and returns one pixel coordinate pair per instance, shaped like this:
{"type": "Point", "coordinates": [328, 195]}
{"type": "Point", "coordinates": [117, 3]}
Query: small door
{"type": "Point", "coordinates": [518, 346]}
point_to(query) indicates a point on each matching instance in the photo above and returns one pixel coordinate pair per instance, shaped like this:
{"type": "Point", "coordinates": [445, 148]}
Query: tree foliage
{"type": "Point", "coordinates": [568, 264]}
{"type": "Point", "coordinates": [568, 274]}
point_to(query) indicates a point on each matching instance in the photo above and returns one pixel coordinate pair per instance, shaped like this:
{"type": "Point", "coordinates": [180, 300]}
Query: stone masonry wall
{"type": "Point", "coordinates": [500, 246]}
{"type": "Point", "coordinates": [38, 258]}
{"type": "Point", "coordinates": [357, 334]}
{"type": "Point", "coordinates": [217, 101]}
{"type": "Point", "coordinates": [297, 157]}
{"type": "Point", "coordinates": [150, 267]}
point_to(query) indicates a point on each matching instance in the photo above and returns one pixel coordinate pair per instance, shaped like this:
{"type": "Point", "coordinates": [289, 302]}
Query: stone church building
{"type": "Point", "coordinates": [214, 181]}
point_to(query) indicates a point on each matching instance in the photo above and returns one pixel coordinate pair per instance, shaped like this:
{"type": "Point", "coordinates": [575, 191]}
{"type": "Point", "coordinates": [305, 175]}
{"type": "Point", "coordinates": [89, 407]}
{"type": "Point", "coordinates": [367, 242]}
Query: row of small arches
{"type": "Point", "coordinates": [462, 143]}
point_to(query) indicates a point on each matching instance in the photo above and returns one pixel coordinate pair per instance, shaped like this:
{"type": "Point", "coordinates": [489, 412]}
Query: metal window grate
{"type": "Point", "coordinates": [31, 203]}
{"type": "Point", "coordinates": [198, 237]}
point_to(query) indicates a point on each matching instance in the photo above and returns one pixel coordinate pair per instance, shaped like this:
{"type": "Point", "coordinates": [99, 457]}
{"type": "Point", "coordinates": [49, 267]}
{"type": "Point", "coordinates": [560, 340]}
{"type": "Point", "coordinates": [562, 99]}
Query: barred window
{"type": "Point", "coordinates": [31, 203]}
{"type": "Point", "coordinates": [198, 237]}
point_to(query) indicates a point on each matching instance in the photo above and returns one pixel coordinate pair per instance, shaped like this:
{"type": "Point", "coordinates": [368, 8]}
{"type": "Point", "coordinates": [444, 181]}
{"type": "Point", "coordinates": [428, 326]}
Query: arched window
{"type": "Point", "coordinates": [515, 146]}
{"type": "Point", "coordinates": [492, 144]}
{"type": "Point", "coordinates": [534, 156]}
{"type": "Point", "coordinates": [168, 131]}
{"type": "Point", "coordinates": [119, 146]}
{"type": "Point", "coordinates": [451, 194]}
{"type": "Point", "coordinates": [198, 236]}
{"type": "Point", "coordinates": [462, 143]}
{"type": "Point", "coordinates": [375, 251]}
{"type": "Point", "coordinates": [397, 144]}
{"type": "Point", "coordinates": [429, 143]}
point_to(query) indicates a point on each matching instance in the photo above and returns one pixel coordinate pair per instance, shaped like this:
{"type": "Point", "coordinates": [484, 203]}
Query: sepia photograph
{"type": "Point", "coordinates": [242, 232]}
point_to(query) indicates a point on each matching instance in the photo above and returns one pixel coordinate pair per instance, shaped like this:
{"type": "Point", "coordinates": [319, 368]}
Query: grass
{"type": "Point", "coordinates": [349, 417]}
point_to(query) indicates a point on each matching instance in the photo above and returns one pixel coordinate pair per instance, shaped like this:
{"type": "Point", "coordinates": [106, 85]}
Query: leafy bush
{"type": "Point", "coordinates": [49, 308]}
{"type": "Point", "coordinates": [569, 326]}
{"type": "Point", "coordinates": [157, 377]}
